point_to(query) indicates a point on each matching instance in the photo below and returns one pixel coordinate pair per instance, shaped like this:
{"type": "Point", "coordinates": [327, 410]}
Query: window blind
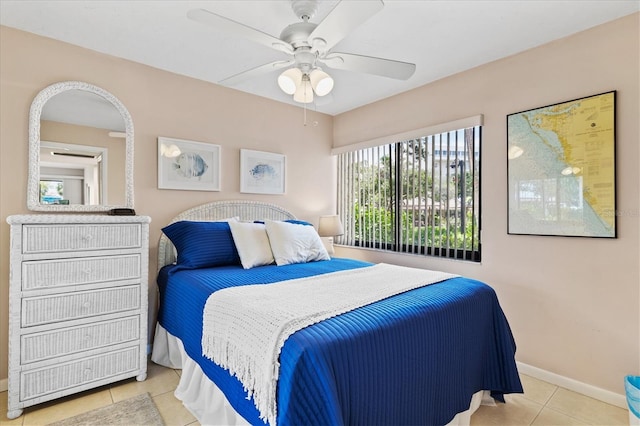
{"type": "Point", "coordinates": [419, 196]}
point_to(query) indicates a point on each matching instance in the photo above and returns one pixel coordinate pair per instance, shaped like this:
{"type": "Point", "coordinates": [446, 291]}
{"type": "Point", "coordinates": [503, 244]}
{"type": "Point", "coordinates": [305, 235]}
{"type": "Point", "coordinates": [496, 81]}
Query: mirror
{"type": "Point", "coordinates": [80, 150]}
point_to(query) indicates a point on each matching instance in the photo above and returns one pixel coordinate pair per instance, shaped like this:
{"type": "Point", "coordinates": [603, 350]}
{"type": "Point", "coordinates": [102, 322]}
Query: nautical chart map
{"type": "Point", "coordinates": [561, 166]}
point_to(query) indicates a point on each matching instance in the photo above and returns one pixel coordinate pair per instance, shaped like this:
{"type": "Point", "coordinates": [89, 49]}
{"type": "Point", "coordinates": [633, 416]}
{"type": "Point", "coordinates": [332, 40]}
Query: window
{"type": "Point", "coordinates": [51, 191]}
{"type": "Point", "coordinates": [418, 196]}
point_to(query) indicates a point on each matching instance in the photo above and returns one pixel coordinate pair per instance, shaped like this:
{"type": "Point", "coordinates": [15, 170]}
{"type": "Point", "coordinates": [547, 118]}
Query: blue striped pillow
{"type": "Point", "coordinates": [202, 244]}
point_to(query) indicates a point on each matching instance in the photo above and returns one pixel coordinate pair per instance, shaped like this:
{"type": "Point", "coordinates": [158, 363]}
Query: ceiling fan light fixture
{"type": "Point", "coordinates": [321, 82]}
{"type": "Point", "coordinates": [304, 94]}
{"type": "Point", "coordinates": [290, 80]}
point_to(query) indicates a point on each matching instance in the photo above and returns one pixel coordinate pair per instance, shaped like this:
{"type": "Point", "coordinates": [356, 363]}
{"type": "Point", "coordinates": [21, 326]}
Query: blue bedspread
{"type": "Point", "coordinates": [415, 358]}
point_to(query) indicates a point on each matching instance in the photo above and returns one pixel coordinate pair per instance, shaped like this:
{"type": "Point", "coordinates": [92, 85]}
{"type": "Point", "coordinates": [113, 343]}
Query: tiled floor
{"type": "Point", "coordinates": [545, 404]}
{"type": "Point", "coordinates": [541, 404]}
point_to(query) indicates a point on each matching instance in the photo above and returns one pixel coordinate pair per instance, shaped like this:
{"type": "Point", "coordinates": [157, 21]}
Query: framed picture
{"type": "Point", "coordinates": [261, 172]}
{"type": "Point", "coordinates": [188, 165]}
{"type": "Point", "coordinates": [561, 169]}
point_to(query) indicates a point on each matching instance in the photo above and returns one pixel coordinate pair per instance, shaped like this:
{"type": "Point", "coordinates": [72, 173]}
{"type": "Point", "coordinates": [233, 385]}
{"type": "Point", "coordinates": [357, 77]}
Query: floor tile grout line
{"type": "Point", "coordinates": [163, 393]}
{"type": "Point", "coordinates": [552, 395]}
{"type": "Point", "coordinates": [582, 421]}
{"type": "Point", "coordinates": [537, 415]}
{"type": "Point", "coordinates": [543, 402]}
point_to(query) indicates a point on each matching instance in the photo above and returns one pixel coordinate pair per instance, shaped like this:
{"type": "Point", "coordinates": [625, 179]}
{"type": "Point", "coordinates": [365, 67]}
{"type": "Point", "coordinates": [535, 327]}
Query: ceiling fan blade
{"type": "Point", "coordinates": [232, 27]}
{"type": "Point", "coordinates": [342, 19]}
{"type": "Point", "coordinates": [254, 72]}
{"type": "Point", "coordinates": [370, 65]}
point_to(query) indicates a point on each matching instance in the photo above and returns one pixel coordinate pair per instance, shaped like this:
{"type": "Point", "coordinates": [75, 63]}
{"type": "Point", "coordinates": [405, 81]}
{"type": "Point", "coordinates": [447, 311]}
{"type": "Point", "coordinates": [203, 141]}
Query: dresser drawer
{"type": "Point", "coordinates": [39, 382]}
{"type": "Point", "coordinates": [81, 304]}
{"type": "Point", "coordinates": [87, 270]}
{"type": "Point", "coordinates": [49, 344]}
{"type": "Point", "coordinates": [73, 237]}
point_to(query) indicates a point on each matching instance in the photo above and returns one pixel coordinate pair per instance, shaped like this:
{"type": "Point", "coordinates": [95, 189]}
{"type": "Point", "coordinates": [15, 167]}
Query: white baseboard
{"type": "Point", "coordinates": [574, 385]}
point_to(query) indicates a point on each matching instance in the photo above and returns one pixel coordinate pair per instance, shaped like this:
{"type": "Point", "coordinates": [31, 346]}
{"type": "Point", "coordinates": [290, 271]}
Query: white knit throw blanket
{"type": "Point", "coordinates": [245, 327]}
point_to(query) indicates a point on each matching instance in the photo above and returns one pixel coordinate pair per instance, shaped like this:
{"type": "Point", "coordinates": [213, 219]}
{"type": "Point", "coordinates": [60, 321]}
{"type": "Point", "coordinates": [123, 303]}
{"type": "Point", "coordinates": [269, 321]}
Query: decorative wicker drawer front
{"type": "Point", "coordinates": [43, 381]}
{"type": "Point", "coordinates": [72, 237]}
{"type": "Point", "coordinates": [81, 304]}
{"type": "Point", "coordinates": [86, 270]}
{"type": "Point", "coordinates": [49, 344]}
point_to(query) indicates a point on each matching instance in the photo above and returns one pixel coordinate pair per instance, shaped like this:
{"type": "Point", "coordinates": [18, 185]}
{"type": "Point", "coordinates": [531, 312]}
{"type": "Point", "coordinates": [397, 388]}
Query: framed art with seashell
{"type": "Point", "coordinates": [262, 172]}
{"type": "Point", "coordinates": [188, 165]}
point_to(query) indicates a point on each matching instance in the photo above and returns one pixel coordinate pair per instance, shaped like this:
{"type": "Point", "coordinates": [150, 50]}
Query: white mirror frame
{"type": "Point", "coordinates": [33, 185]}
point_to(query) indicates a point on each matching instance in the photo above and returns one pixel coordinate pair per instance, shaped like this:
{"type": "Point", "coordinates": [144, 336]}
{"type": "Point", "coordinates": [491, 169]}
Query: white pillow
{"type": "Point", "coordinates": [252, 243]}
{"type": "Point", "coordinates": [294, 243]}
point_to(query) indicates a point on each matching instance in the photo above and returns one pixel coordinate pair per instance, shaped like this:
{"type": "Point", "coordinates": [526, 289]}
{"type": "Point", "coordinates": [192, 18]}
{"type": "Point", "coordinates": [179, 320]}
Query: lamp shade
{"type": "Point", "coordinates": [321, 82]}
{"type": "Point", "coordinates": [290, 80]}
{"type": "Point", "coordinates": [304, 94]}
{"type": "Point", "coordinates": [330, 226]}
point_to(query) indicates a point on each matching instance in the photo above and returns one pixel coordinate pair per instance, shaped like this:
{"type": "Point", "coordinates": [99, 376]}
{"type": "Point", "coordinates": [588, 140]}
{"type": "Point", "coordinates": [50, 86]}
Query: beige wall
{"type": "Point", "coordinates": [573, 303]}
{"type": "Point", "coordinates": [161, 104]}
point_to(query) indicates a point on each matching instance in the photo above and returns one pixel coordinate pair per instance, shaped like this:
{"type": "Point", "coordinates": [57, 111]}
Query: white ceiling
{"type": "Point", "coordinates": [441, 37]}
{"type": "Point", "coordinates": [83, 108]}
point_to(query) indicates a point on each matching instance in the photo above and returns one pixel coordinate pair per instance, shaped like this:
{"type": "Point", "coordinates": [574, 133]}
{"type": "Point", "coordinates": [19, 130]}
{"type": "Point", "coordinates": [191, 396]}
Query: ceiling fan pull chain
{"type": "Point", "coordinates": [305, 113]}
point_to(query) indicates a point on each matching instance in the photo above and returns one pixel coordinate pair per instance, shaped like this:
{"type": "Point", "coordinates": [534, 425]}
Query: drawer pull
{"type": "Point", "coordinates": [87, 271]}
{"type": "Point", "coordinates": [87, 237]}
{"type": "Point", "coordinates": [87, 337]}
{"type": "Point", "coordinates": [86, 305]}
{"type": "Point", "coordinates": [87, 372]}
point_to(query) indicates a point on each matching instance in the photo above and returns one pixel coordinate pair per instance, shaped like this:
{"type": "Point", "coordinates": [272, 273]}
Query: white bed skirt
{"type": "Point", "coordinates": [209, 405]}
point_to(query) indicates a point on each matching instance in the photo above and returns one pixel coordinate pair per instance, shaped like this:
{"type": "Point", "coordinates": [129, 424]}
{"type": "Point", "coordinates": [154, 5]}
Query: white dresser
{"type": "Point", "coordinates": [77, 304]}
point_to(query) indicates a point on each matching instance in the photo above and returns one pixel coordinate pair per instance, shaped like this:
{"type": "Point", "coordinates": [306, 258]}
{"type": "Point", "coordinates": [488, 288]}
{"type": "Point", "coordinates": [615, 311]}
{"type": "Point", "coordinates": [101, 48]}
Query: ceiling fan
{"type": "Point", "coordinates": [310, 46]}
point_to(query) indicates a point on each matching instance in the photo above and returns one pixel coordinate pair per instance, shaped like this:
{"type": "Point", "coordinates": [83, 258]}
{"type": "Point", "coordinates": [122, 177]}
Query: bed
{"type": "Point", "coordinates": [423, 354]}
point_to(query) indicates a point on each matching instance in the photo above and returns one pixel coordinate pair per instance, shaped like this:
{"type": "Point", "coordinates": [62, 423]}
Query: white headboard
{"type": "Point", "coordinates": [246, 210]}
